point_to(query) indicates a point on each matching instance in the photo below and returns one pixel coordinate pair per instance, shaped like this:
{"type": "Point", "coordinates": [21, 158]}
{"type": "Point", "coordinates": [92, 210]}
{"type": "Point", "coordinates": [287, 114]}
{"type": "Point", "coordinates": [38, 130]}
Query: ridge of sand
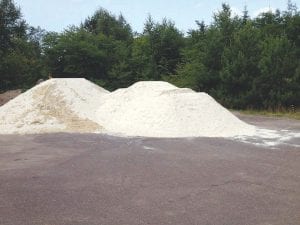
{"type": "Point", "coordinates": [159, 109]}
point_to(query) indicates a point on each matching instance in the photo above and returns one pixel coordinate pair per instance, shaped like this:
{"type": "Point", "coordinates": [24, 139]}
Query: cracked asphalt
{"type": "Point", "coordinates": [88, 179]}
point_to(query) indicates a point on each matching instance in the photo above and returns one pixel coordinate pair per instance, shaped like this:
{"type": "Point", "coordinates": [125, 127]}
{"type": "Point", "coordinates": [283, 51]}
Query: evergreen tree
{"type": "Point", "coordinates": [240, 68]}
{"type": "Point", "coordinates": [12, 25]}
{"type": "Point", "coordinates": [278, 85]}
{"type": "Point", "coordinates": [20, 53]}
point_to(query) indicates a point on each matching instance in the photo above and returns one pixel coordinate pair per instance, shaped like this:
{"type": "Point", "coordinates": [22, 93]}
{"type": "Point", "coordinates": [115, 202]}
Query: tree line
{"type": "Point", "coordinates": [243, 62]}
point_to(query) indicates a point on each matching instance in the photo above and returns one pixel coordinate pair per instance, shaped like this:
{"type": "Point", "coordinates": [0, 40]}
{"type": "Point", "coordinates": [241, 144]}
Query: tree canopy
{"type": "Point", "coordinates": [243, 62]}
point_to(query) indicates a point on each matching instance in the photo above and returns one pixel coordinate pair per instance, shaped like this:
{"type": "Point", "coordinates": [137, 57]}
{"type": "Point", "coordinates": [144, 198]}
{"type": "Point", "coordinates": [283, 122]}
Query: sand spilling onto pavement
{"type": "Point", "coordinates": [159, 109]}
{"type": "Point", "coordinates": [56, 105]}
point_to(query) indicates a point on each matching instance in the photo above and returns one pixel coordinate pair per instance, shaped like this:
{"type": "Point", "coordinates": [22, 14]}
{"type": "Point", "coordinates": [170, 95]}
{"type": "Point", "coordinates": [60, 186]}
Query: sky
{"type": "Point", "coordinates": [56, 15]}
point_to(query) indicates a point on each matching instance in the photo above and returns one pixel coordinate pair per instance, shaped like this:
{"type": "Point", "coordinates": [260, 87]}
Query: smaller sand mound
{"type": "Point", "coordinates": [159, 109]}
{"type": "Point", "coordinates": [9, 95]}
{"type": "Point", "coordinates": [56, 105]}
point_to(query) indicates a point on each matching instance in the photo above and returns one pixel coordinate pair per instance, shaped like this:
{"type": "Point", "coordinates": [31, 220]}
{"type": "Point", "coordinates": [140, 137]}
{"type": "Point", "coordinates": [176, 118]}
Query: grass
{"type": "Point", "coordinates": [287, 114]}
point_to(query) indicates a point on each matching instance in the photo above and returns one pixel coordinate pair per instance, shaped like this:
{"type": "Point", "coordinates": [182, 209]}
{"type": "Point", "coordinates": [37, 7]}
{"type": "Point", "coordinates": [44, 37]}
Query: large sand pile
{"type": "Point", "coordinates": [159, 109]}
{"type": "Point", "coordinates": [150, 109]}
{"type": "Point", "coordinates": [56, 105]}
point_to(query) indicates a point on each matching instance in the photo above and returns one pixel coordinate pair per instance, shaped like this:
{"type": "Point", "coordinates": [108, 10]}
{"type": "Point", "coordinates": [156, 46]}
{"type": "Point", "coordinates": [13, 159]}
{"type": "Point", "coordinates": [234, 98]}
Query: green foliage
{"type": "Point", "coordinates": [99, 50]}
{"type": "Point", "coordinates": [12, 26]}
{"type": "Point", "coordinates": [278, 83]}
{"type": "Point", "coordinates": [244, 63]}
{"type": "Point", "coordinates": [142, 62]}
{"type": "Point", "coordinates": [77, 53]}
{"type": "Point", "coordinates": [240, 68]}
{"type": "Point", "coordinates": [103, 22]}
{"type": "Point", "coordinates": [163, 48]}
{"type": "Point", "coordinates": [20, 53]}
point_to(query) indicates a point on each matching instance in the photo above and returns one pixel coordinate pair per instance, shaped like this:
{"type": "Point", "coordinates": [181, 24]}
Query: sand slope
{"type": "Point", "coordinates": [56, 105]}
{"type": "Point", "coordinates": [159, 109]}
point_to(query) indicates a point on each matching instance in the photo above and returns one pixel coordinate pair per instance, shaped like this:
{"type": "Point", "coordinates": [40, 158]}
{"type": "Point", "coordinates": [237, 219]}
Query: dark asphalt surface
{"type": "Point", "coordinates": [76, 179]}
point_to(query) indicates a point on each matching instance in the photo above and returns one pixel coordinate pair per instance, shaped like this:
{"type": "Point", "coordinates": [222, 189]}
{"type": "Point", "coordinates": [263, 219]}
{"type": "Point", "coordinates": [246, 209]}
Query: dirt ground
{"type": "Point", "coordinates": [76, 179]}
{"type": "Point", "coordinates": [7, 96]}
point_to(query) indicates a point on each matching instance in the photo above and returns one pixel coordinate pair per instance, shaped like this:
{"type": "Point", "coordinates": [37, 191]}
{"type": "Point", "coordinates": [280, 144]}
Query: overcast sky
{"type": "Point", "coordinates": [55, 15]}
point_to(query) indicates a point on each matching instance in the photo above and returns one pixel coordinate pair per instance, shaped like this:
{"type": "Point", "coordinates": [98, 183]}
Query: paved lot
{"type": "Point", "coordinates": [64, 179]}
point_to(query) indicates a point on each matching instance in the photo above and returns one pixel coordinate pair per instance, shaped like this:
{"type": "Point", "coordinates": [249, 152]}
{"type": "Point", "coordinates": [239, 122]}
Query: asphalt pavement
{"type": "Point", "coordinates": [89, 179]}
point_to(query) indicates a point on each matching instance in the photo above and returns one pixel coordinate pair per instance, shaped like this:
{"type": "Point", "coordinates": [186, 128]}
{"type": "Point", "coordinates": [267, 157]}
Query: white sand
{"type": "Point", "coordinates": [149, 109]}
{"type": "Point", "coordinates": [56, 105]}
{"type": "Point", "coordinates": [159, 109]}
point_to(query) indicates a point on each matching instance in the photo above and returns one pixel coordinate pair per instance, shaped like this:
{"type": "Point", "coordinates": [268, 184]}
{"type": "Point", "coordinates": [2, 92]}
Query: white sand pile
{"type": "Point", "coordinates": [159, 109]}
{"type": "Point", "coordinates": [149, 109]}
{"type": "Point", "coordinates": [56, 105]}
